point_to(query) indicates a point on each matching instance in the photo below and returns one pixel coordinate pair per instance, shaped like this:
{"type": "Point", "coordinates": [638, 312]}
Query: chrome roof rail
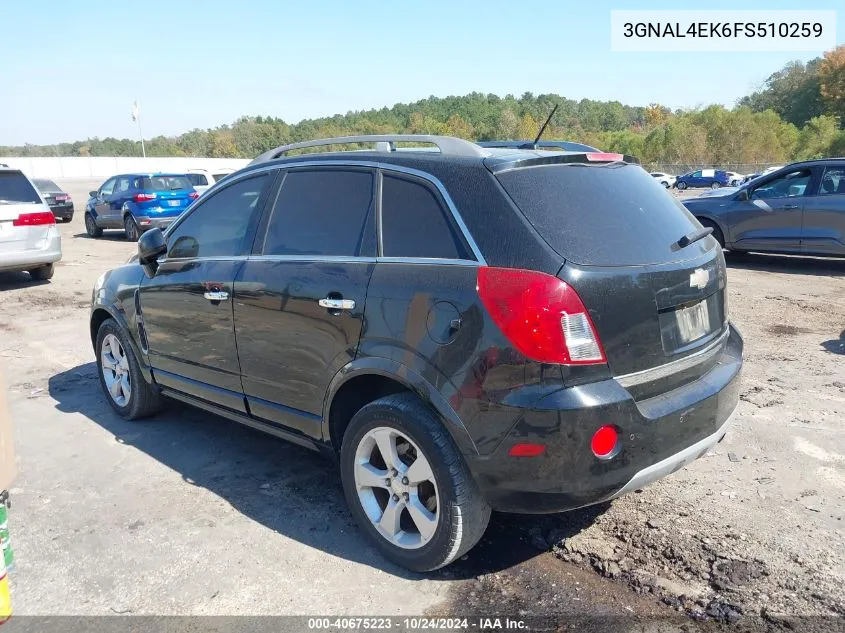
{"type": "Point", "coordinates": [448, 145]}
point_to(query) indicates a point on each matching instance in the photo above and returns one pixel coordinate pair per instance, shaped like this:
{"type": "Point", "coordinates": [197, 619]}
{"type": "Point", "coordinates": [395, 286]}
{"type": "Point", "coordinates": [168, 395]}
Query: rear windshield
{"type": "Point", "coordinates": [45, 185]}
{"type": "Point", "coordinates": [219, 177]}
{"type": "Point", "coordinates": [164, 183]}
{"type": "Point", "coordinates": [611, 215]}
{"type": "Point", "coordinates": [15, 188]}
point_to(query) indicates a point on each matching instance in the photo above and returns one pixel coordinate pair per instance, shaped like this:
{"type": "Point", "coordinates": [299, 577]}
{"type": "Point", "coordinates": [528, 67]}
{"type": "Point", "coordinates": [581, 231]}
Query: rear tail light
{"type": "Point", "coordinates": [605, 442]}
{"type": "Point", "coordinates": [193, 195]}
{"type": "Point", "coordinates": [143, 197]}
{"type": "Point", "coordinates": [601, 157]}
{"type": "Point", "coordinates": [40, 218]}
{"type": "Point", "coordinates": [541, 315]}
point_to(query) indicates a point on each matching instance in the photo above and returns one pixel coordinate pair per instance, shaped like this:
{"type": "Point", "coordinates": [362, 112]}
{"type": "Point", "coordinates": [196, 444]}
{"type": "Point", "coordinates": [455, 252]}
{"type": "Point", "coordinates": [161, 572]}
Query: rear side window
{"type": "Point", "coordinates": [219, 177]}
{"type": "Point", "coordinates": [833, 181]}
{"type": "Point", "coordinates": [612, 215]}
{"type": "Point", "coordinates": [415, 223]}
{"type": "Point", "coordinates": [322, 212]}
{"type": "Point", "coordinates": [164, 183]}
{"type": "Point", "coordinates": [197, 179]}
{"type": "Point", "coordinates": [15, 188]}
{"type": "Point", "coordinates": [219, 225]}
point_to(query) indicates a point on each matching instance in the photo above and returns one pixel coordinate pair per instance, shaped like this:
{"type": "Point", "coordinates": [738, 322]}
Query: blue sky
{"type": "Point", "coordinates": [72, 69]}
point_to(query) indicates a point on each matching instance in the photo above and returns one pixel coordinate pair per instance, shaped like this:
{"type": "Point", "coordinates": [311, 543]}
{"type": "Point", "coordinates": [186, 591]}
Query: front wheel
{"type": "Point", "coordinates": [681, 185]}
{"type": "Point", "coordinates": [408, 486]}
{"type": "Point", "coordinates": [665, 184]}
{"type": "Point", "coordinates": [715, 185]}
{"type": "Point", "coordinates": [91, 226]}
{"type": "Point", "coordinates": [128, 393]}
{"type": "Point", "coordinates": [717, 232]}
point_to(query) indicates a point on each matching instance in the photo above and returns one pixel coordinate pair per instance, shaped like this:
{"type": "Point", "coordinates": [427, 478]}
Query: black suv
{"type": "Point", "coordinates": [465, 329]}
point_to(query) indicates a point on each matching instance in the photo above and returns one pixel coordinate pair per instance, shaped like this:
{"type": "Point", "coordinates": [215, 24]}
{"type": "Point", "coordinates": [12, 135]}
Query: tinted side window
{"type": "Point", "coordinates": [219, 225]}
{"type": "Point", "coordinates": [321, 212]}
{"type": "Point", "coordinates": [108, 187]}
{"type": "Point", "coordinates": [415, 224]}
{"type": "Point", "coordinates": [198, 179]}
{"type": "Point", "coordinates": [833, 181]}
{"type": "Point", "coordinates": [789, 185]}
{"type": "Point", "coordinates": [122, 185]}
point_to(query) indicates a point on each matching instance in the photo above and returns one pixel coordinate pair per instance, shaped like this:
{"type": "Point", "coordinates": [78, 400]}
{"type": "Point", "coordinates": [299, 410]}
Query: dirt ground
{"type": "Point", "coordinates": [190, 514]}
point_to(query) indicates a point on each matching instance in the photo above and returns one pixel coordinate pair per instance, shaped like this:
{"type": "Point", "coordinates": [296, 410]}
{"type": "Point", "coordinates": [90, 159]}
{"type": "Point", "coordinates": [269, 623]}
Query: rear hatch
{"type": "Point", "coordinates": [652, 298]}
{"type": "Point", "coordinates": [168, 195]}
{"type": "Point", "coordinates": [25, 220]}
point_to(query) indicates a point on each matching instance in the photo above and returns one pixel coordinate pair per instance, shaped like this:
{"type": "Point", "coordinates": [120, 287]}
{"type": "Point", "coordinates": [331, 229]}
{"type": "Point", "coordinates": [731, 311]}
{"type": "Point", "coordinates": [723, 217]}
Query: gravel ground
{"type": "Point", "coordinates": [190, 514]}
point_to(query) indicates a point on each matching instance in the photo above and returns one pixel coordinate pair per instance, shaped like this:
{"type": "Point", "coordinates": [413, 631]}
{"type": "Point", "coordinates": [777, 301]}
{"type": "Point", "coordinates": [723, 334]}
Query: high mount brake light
{"type": "Point", "coordinates": [542, 316]}
{"type": "Point", "coordinates": [604, 156]}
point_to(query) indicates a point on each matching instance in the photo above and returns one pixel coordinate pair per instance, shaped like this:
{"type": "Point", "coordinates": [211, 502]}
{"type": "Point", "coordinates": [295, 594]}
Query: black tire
{"type": "Point", "coordinates": [464, 513]}
{"type": "Point", "coordinates": [91, 226]}
{"type": "Point", "coordinates": [42, 273]}
{"type": "Point", "coordinates": [665, 184]}
{"type": "Point", "coordinates": [681, 185]}
{"type": "Point", "coordinates": [717, 232]}
{"type": "Point", "coordinates": [715, 184]}
{"type": "Point", "coordinates": [130, 227]}
{"type": "Point", "coordinates": [144, 399]}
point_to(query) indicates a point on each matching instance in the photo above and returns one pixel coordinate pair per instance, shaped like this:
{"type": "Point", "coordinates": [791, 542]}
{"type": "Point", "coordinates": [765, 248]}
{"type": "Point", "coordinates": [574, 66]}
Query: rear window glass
{"type": "Point", "coordinates": [15, 188]}
{"type": "Point", "coordinates": [164, 183]}
{"type": "Point", "coordinates": [219, 177]}
{"type": "Point", "coordinates": [600, 215]}
{"type": "Point", "coordinates": [198, 179]}
{"type": "Point", "coordinates": [46, 185]}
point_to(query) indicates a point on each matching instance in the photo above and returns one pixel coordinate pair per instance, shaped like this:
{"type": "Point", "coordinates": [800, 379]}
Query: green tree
{"type": "Point", "coordinates": [816, 138]}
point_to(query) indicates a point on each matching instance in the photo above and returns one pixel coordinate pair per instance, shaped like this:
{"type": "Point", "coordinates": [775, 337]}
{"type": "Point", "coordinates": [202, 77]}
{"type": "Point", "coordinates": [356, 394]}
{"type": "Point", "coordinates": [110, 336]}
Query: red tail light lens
{"type": "Point", "coordinates": [35, 219]}
{"type": "Point", "coordinates": [143, 197]}
{"type": "Point", "coordinates": [193, 195]}
{"type": "Point", "coordinates": [541, 315]}
{"type": "Point", "coordinates": [605, 442]}
{"type": "Point", "coordinates": [527, 450]}
{"type": "Point", "coordinates": [601, 157]}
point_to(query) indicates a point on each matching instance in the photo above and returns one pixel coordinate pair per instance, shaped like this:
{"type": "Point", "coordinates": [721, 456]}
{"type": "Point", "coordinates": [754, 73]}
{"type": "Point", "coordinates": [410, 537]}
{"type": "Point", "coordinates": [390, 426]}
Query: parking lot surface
{"type": "Point", "coordinates": [190, 514]}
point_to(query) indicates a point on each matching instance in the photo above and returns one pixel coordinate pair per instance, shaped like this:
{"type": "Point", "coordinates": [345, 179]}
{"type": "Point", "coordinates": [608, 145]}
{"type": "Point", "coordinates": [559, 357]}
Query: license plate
{"type": "Point", "coordinates": [693, 321]}
{"type": "Point", "coordinates": [174, 203]}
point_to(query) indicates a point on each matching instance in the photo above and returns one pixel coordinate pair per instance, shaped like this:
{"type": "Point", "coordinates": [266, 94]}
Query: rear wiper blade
{"type": "Point", "coordinates": [693, 237]}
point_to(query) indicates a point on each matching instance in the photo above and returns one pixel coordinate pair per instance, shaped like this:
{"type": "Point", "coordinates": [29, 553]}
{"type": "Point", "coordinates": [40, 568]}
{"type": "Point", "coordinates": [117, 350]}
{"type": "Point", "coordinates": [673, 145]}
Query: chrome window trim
{"type": "Point", "coordinates": [384, 167]}
{"type": "Point", "coordinates": [675, 366]}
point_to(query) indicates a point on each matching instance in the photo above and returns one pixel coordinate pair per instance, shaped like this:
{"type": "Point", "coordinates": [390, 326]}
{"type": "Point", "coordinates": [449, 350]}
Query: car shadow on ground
{"type": "Point", "coordinates": [820, 266]}
{"type": "Point", "coordinates": [116, 235]}
{"type": "Point", "coordinates": [836, 345]}
{"type": "Point", "coordinates": [14, 281]}
{"type": "Point", "coordinates": [289, 489]}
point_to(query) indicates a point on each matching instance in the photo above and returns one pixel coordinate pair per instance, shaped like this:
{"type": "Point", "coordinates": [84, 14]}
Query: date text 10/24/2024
{"type": "Point", "coordinates": [416, 624]}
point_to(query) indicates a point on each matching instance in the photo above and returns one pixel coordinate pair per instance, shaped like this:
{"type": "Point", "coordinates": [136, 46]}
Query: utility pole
{"type": "Point", "coordinates": [136, 116]}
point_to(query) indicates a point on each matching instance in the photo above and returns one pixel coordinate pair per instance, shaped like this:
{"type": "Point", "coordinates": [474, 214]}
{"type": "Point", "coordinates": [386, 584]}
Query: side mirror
{"type": "Point", "coordinates": [151, 246]}
{"type": "Point", "coordinates": [93, 194]}
{"type": "Point", "coordinates": [742, 195]}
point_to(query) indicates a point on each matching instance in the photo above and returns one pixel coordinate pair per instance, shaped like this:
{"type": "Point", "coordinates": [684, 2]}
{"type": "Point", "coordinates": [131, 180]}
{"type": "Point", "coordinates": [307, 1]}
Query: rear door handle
{"type": "Point", "coordinates": [337, 304]}
{"type": "Point", "coordinates": [216, 295]}
{"type": "Point", "coordinates": [790, 206]}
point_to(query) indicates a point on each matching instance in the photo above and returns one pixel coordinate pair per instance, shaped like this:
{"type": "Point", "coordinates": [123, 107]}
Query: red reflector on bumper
{"type": "Point", "coordinates": [527, 450]}
{"type": "Point", "coordinates": [605, 442]}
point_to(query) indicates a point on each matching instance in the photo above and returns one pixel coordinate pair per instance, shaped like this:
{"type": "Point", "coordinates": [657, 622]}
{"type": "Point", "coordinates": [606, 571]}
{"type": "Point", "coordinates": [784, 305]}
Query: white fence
{"type": "Point", "coordinates": [105, 166]}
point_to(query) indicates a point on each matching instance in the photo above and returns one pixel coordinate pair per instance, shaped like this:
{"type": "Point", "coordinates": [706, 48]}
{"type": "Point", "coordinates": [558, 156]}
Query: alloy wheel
{"type": "Point", "coordinates": [115, 367]}
{"type": "Point", "coordinates": [397, 488]}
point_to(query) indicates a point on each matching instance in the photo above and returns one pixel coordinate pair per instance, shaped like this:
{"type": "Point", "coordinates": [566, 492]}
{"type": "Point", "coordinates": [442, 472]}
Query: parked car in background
{"type": "Point", "coordinates": [365, 304]}
{"type": "Point", "coordinates": [566, 146]}
{"type": "Point", "coordinates": [136, 203]}
{"type": "Point", "coordinates": [57, 199]}
{"type": "Point", "coordinates": [797, 209]}
{"type": "Point", "coordinates": [29, 237]}
{"type": "Point", "coordinates": [734, 179]}
{"type": "Point", "coordinates": [666, 180]}
{"type": "Point", "coordinates": [203, 179]}
{"type": "Point", "coordinates": [749, 178]}
{"type": "Point", "coordinates": [713, 178]}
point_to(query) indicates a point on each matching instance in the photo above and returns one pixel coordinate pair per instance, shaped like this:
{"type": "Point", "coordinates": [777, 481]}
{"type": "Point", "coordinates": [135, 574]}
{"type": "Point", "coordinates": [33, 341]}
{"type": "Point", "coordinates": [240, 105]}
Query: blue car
{"type": "Point", "coordinates": [712, 178]}
{"type": "Point", "coordinates": [135, 203]}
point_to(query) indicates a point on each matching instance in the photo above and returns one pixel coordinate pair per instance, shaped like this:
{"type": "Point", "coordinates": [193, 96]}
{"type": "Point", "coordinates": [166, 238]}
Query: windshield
{"type": "Point", "coordinates": [45, 185]}
{"type": "Point", "coordinates": [15, 189]}
{"type": "Point", "coordinates": [165, 183]}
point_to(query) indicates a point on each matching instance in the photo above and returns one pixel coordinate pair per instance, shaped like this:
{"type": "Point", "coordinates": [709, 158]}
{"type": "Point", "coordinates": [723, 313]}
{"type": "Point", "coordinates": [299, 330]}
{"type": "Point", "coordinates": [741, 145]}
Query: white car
{"type": "Point", "coordinates": [734, 179]}
{"type": "Point", "coordinates": [202, 179]}
{"type": "Point", "coordinates": [29, 237]}
{"type": "Point", "coordinates": [667, 180]}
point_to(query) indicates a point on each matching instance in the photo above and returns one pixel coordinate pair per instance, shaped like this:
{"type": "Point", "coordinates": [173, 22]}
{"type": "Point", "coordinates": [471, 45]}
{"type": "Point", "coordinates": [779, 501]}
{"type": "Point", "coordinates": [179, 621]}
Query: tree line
{"type": "Point", "coordinates": [797, 114]}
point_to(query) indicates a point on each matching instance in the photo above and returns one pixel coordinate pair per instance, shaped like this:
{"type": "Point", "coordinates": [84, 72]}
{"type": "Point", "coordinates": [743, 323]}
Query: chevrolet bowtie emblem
{"type": "Point", "coordinates": [699, 278]}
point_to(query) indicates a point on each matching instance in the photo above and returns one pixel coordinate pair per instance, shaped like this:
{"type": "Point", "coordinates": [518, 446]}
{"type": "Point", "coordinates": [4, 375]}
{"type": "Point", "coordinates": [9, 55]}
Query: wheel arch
{"type": "Point", "coordinates": [367, 379]}
{"type": "Point", "coordinates": [708, 218]}
{"type": "Point", "coordinates": [102, 312]}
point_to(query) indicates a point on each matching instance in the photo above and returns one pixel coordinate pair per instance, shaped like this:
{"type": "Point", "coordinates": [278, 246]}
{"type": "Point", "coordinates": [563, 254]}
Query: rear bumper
{"type": "Point", "coordinates": [145, 223]}
{"type": "Point", "coordinates": [51, 251]}
{"type": "Point", "coordinates": [62, 211]}
{"type": "Point", "coordinates": [657, 436]}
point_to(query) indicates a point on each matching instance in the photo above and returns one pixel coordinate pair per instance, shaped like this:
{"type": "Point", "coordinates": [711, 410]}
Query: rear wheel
{"type": "Point", "coordinates": [717, 232]}
{"type": "Point", "coordinates": [42, 273]}
{"type": "Point", "coordinates": [120, 375]}
{"type": "Point", "coordinates": [91, 226]}
{"type": "Point", "coordinates": [408, 486]}
{"type": "Point", "coordinates": [665, 184]}
{"type": "Point", "coordinates": [130, 228]}
{"type": "Point", "coordinates": [681, 185]}
{"type": "Point", "coordinates": [715, 184]}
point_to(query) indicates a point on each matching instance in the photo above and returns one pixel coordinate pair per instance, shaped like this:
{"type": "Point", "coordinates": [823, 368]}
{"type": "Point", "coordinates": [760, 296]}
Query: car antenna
{"type": "Point", "coordinates": [540, 133]}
